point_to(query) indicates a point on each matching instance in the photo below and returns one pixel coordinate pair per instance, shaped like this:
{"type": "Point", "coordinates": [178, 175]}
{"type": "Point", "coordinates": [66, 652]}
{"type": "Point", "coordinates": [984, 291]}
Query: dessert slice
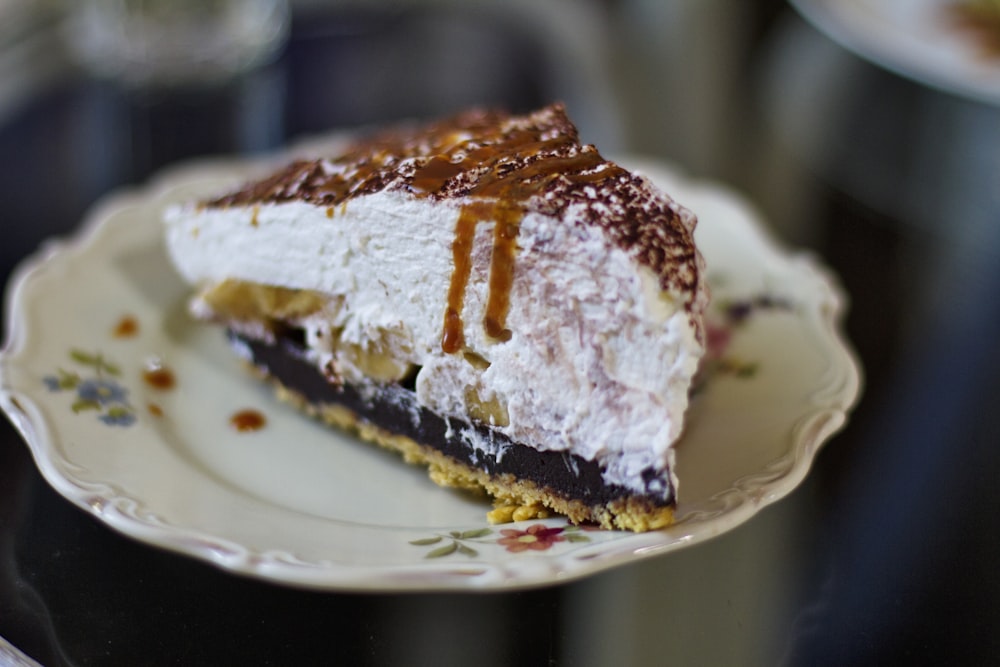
{"type": "Point", "coordinates": [484, 294]}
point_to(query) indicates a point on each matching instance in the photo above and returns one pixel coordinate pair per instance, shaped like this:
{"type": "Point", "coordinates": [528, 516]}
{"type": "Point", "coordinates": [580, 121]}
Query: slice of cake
{"type": "Point", "coordinates": [484, 294]}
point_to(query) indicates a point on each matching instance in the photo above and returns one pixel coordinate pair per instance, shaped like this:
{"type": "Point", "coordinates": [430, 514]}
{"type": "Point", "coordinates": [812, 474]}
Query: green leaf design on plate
{"type": "Point", "coordinates": [457, 543]}
{"type": "Point", "coordinates": [473, 534]}
{"type": "Point", "coordinates": [81, 357]}
{"type": "Point", "coordinates": [84, 404]}
{"type": "Point", "coordinates": [466, 550]}
{"type": "Point", "coordinates": [68, 380]}
{"type": "Point", "coordinates": [97, 361]}
{"type": "Point", "coordinates": [118, 411]}
{"type": "Point", "coordinates": [440, 552]}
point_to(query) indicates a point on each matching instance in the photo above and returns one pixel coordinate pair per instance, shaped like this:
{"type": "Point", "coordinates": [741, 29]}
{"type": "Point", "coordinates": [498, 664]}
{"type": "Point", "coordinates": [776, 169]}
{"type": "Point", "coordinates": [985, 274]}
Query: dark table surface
{"type": "Point", "coordinates": [887, 552]}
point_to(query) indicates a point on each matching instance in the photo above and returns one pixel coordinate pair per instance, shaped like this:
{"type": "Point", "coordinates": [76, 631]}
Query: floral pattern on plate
{"type": "Point", "coordinates": [98, 391]}
{"type": "Point", "coordinates": [536, 537]}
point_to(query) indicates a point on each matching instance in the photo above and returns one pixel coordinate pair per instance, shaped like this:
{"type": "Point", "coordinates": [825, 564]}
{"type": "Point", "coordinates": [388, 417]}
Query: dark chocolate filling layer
{"type": "Point", "coordinates": [395, 409]}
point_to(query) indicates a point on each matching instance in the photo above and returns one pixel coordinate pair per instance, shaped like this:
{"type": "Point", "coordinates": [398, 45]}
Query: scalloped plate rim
{"type": "Point", "coordinates": [725, 510]}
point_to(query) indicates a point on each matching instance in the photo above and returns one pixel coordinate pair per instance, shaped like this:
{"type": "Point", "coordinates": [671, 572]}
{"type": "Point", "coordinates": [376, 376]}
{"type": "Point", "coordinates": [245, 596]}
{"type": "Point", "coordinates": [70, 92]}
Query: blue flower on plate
{"type": "Point", "coordinates": [100, 394]}
{"type": "Point", "coordinates": [118, 416]}
{"type": "Point", "coordinates": [102, 391]}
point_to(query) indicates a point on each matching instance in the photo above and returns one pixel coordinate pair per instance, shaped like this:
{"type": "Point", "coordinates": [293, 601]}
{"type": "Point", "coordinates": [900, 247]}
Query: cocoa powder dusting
{"type": "Point", "coordinates": [498, 167]}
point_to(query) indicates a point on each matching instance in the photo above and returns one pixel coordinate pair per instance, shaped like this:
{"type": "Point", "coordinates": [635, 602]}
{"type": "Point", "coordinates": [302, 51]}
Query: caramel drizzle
{"type": "Point", "coordinates": [453, 337]}
{"type": "Point", "coordinates": [505, 230]}
{"type": "Point", "coordinates": [503, 191]}
{"type": "Point", "coordinates": [507, 220]}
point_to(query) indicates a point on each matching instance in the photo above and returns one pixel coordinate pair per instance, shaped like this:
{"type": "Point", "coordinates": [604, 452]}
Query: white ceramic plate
{"type": "Point", "coordinates": [915, 38]}
{"type": "Point", "coordinates": [297, 503]}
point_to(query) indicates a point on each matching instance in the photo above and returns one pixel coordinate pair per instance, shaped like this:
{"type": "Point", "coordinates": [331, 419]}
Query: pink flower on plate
{"type": "Point", "coordinates": [537, 537]}
{"type": "Point", "coordinates": [717, 340]}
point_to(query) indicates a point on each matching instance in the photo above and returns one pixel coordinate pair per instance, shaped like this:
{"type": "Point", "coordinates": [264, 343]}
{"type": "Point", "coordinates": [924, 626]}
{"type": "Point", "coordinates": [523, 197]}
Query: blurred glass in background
{"type": "Point", "coordinates": [158, 43]}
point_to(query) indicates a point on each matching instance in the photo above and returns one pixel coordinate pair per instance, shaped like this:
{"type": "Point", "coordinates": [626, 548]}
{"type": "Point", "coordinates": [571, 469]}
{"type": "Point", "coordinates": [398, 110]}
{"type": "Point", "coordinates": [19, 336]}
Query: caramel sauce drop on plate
{"type": "Point", "coordinates": [249, 420]}
{"type": "Point", "coordinates": [127, 327]}
{"type": "Point", "coordinates": [159, 377]}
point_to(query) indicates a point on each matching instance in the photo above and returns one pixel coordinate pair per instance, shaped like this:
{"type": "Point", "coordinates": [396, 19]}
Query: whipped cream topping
{"type": "Point", "coordinates": [537, 287]}
{"type": "Point", "coordinates": [599, 359]}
